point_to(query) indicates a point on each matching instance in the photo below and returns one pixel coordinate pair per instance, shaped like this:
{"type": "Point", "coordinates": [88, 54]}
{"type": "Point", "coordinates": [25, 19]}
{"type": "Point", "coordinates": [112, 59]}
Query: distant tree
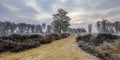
{"type": "Point", "coordinates": [12, 28]}
{"type": "Point", "coordinates": [117, 26]}
{"type": "Point", "coordinates": [98, 26]}
{"type": "Point", "coordinates": [43, 27]}
{"type": "Point", "coordinates": [69, 30]}
{"type": "Point", "coordinates": [35, 29]}
{"type": "Point", "coordinates": [105, 26]}
{"type": "Point", "coordinates": [104, 23]}
{"type": "Point", "coordinates": [28, 27]}
{"type": "Point", "coordinates": [76, 30]}
{"type": "Point", "coordinates": [90, 28]}
{"type": "Point", "coordinates": [49, 29]}
{"type": "Point", "coordinates": [7, 28]}
{"type": "Point", "coordinates": [39, 28]}
{"type": "Point", "coordinates": [21, 27]}
{"type": "Point", "coordinates": [61, 21]}
{"type": "Point", "coordinates": [1, 28]}
{"type": "Point", "coordinates": [32, 28]}
{"type": "Point", "coordinates": [110, 27]}
{"type": "Point", "coordinates": [83, 30]}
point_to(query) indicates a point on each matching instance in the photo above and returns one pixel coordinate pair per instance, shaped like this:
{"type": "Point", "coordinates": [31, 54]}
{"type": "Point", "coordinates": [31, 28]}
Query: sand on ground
{"type": "Point", "coordinates": [64, 49]}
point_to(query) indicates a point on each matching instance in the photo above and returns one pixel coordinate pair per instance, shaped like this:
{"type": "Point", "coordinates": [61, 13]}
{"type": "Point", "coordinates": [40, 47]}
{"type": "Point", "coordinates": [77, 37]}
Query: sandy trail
{"type": "Point", "coordinates": [64, 49]}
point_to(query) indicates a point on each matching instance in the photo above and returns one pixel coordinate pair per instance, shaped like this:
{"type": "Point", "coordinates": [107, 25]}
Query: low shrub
{"type": "Point", "coordinates": [2, 46]}
{"type": "Point", "coordinates": [104, 46]}
{"type": "Point", "coordinates": [16, 43]}
{"type": "Point", "coordinates": [45, 39]}
{"type": "Point", "coordinates": [64, 35]}
{"type": "Point", "coordinates": [55, 36]}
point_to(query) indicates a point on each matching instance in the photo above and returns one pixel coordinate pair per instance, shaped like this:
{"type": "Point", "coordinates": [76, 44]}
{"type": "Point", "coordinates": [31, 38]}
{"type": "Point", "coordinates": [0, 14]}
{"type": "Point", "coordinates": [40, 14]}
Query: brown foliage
{"type": "Point", "coordinates": [16, 43]}
{"type": "Point", "coordinates": [104, 46]}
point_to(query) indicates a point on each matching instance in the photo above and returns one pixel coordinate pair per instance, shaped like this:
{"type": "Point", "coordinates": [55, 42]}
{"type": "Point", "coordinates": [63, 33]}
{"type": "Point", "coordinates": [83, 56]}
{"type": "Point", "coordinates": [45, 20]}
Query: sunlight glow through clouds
{"type": "Point", "coordinates": [81, 12]}
{"type": "Point", "coordinates": [76, 22]}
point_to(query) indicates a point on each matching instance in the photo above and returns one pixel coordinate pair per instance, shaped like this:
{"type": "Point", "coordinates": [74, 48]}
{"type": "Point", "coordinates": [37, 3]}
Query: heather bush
{"type": "Point", "coordinates": [16, 43]}
{"type": "Point", "coordinates": [104, 46]}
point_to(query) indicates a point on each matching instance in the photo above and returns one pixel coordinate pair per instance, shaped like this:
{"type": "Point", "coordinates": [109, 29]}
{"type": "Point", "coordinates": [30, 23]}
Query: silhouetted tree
{"type": "Point", "coordinates": [61, 21]}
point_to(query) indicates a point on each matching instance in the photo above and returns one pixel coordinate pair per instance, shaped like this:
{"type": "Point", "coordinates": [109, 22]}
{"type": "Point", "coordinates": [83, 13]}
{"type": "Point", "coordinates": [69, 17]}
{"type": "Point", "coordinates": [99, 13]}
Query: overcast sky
{"type": "Point", "coordinates": [81, 12]}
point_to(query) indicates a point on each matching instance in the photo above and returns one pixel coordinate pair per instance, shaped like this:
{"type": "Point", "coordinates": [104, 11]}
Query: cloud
{"type": "Point", "coordinates": [75, 22]}
{"type": "Point", "coordinates": [82, 12]}
{"type": "Point", "coordinates": [11, 8]}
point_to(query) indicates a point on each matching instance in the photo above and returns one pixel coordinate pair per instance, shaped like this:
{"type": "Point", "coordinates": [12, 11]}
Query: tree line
{"type": "Point", "coordinates": [105, 26]}
{"type": "Point", "coordinates": [59, 25]}
{"type": "Point", "coordinates": [23, 28]}
{"type": "Point", "coordinates": [20, 28]}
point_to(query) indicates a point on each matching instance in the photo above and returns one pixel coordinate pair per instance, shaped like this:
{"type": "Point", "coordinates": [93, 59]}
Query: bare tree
{"type": "Point", "coordinates": [32, 28]}
{"type": "Point", "coordinates": [21, 27]}
{"type": "Point", "coordinates": [108, 27]}
{"type": "Point", "coordinates": [12, 28]}
{"type": "Point", "coordinates": [1, 28]}
{"type": "Point", "coordinates": [49, 29]}
{"type": "Point", "coordinates": [99, 26]}
{"type": "Point", "coordinates": [117, 26]}
{"type": "Point", "coordinates": [104, 23]}
{"type": "Point", "coordinates": [43, 27]}
{"type": "Point", "coordinates": [39, 28]}
{"type": "Point", "coordinates": [90, 28]}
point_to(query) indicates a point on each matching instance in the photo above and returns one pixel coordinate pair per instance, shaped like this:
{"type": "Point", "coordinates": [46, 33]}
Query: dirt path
{"type": "Point", "coordinates": [64, 49]}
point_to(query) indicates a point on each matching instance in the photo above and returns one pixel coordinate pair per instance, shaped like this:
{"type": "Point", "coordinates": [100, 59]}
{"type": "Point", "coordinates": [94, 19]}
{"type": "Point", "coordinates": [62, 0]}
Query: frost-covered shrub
{"type": "Point", "coordinates": [104, 46]}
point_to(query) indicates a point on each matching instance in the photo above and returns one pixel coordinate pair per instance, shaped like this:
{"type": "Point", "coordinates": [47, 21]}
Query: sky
{"type": "Point", "coordinates": [81, 12]}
